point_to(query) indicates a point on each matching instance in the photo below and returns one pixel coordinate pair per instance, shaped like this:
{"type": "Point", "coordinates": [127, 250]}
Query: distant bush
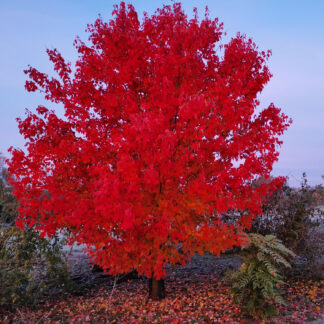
{"type": "Point", "coordinates": [8, 205]}
{"type": "Point", "coordinates": [291, 215]}
{"type": "Point", "coordinates": [256, 284]}
{"type": "Point", "coordinates": [288, 214]}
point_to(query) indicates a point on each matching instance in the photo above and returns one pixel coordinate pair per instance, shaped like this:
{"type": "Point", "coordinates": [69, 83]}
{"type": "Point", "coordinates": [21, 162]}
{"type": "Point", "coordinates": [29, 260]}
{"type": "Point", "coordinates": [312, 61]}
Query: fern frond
{"type": "Point", "coordinates": [255, 283]}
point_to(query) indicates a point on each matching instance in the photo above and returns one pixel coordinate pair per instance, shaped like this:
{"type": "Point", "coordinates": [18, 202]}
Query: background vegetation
{"type": "Point", "coordinates": [31, 267]}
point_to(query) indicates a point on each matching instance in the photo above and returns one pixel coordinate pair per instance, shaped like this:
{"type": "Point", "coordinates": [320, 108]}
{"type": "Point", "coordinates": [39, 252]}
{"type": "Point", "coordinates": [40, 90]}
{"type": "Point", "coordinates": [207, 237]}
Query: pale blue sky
{"type": "Point", "coordinates": [292, 29]}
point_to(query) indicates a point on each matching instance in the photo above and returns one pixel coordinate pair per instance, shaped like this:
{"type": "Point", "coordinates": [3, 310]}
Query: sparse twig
{"type": "Point", "coordinates": [113, 288]}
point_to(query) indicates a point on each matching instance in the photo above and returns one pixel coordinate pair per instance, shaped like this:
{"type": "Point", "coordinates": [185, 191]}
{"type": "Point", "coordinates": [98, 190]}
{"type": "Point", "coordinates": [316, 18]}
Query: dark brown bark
{"type": "Point", "coordinates": [156, 289]}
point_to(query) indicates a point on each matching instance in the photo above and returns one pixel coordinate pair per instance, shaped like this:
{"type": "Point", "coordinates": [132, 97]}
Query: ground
{"type": "Point", "coordinates": [195, 294]}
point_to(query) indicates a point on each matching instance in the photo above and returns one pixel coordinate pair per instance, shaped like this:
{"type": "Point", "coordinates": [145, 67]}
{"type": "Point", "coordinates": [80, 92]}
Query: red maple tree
{"type": "Point", "coordinates": [160, 136]}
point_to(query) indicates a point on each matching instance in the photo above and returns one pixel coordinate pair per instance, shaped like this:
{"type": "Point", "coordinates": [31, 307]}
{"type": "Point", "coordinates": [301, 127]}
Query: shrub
{"type": "Point", "coordinates": [290, 214]}
{"type": "Point", "coordinates": [256, 284]}
{"type": "Point", "coordinates": [31, 267]}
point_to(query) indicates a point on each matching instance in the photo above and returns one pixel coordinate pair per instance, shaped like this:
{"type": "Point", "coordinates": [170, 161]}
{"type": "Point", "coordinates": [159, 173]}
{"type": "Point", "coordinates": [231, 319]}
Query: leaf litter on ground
{"type": "Point", "coordinates": [196, 299]}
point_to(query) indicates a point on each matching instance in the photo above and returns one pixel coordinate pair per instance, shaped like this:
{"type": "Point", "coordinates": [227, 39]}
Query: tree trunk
{"type": "Point", "coordinates": [156, 289]}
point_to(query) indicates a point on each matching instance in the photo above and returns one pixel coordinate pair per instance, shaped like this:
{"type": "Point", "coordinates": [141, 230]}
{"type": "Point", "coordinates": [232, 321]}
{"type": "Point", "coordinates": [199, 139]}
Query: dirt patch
{"type": "Point", "coordinates": [82, 270]}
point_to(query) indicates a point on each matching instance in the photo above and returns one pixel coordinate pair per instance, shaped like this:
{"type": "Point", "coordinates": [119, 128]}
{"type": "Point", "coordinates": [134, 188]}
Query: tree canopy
{"type": "Point", "coordinates": [160, 136]}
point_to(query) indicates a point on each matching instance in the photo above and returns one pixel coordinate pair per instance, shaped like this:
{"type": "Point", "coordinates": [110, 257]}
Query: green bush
{"type": "Point", "coordinates": [31, 267]}
{"type": "Point", "coordinates": [256, 284]}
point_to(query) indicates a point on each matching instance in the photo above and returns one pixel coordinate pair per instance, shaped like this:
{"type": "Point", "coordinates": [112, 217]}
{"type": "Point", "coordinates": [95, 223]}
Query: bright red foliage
{"type": "Point", "coordinates": [160, 132]}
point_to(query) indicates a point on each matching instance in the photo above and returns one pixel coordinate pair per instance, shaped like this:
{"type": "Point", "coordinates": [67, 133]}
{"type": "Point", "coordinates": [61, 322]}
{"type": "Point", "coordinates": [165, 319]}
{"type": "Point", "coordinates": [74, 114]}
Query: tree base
{"type": "Point", "coordinates": [156, 289]}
